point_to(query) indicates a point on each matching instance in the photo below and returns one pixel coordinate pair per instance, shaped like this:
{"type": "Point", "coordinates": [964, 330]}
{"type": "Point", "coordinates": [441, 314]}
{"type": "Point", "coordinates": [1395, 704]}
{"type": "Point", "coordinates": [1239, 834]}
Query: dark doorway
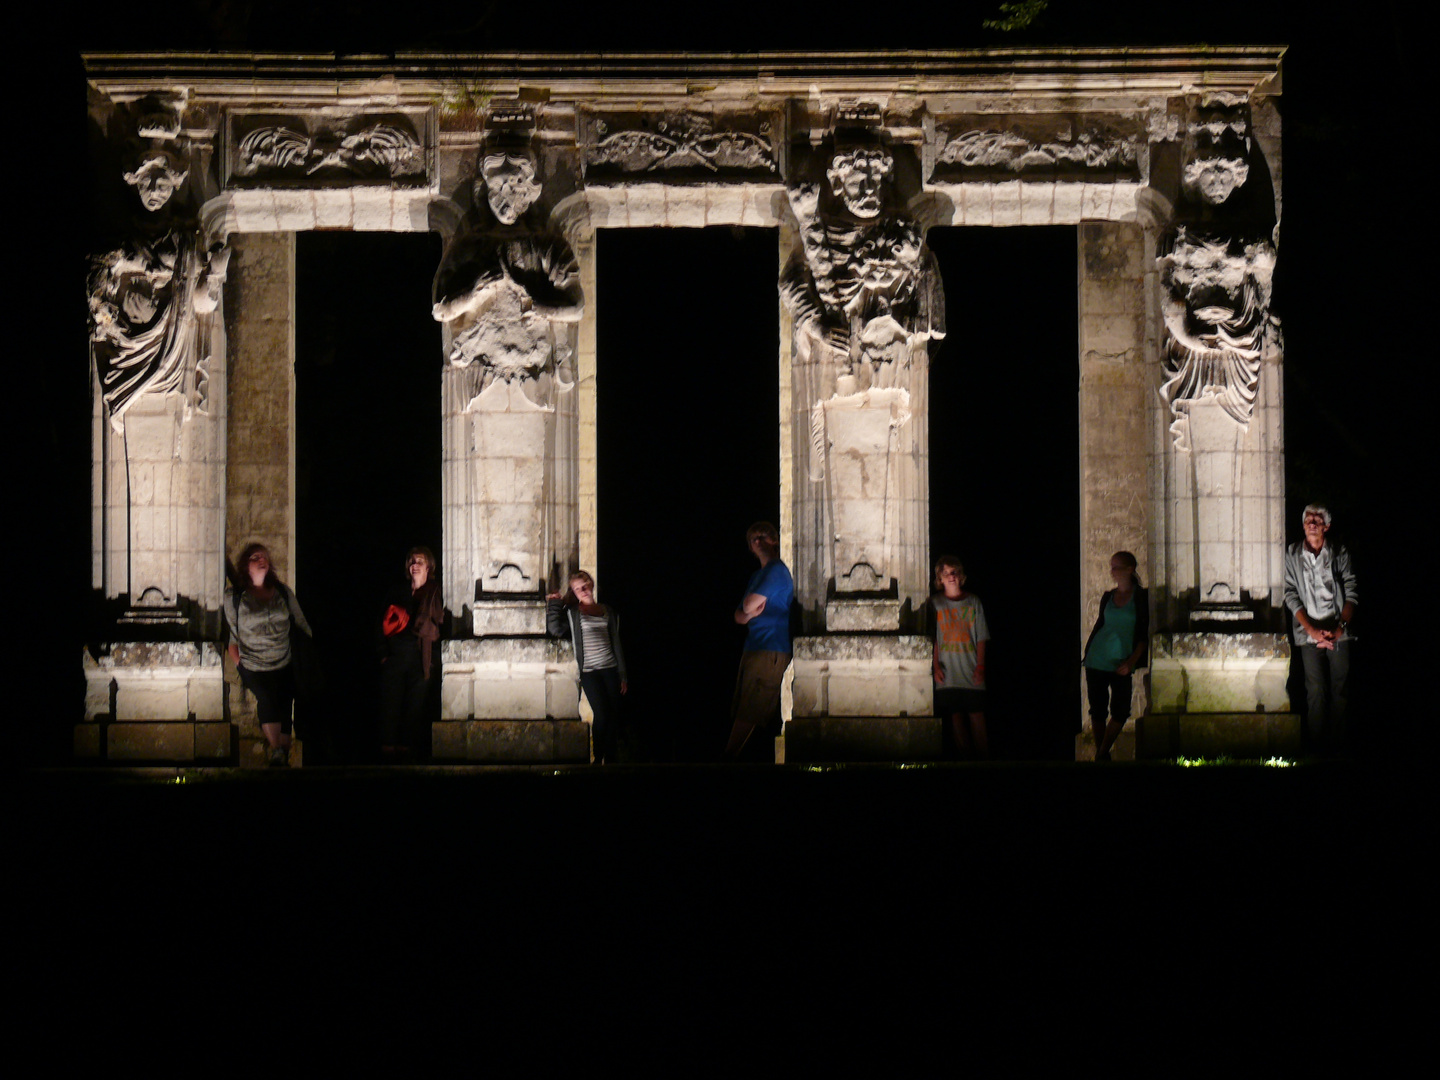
{"type": "Point", "coordinates": [1004, 468]}
{"type": "Point", "coordinates": [367, 450]}
{"type": "Point", "coordinates": [688, 423]}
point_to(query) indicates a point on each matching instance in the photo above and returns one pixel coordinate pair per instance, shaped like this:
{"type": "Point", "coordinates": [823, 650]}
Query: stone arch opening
{"type": "Point", "coordinates": [1004, 455]}
{"type": "Point", "coordinates": [367, 446]}
{"type": "Point", "coordinates": [687, 457]}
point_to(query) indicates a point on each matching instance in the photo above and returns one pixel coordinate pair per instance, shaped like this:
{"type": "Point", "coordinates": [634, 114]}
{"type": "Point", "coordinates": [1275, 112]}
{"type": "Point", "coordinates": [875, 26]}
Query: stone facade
{"type": "Point", "coordinates": [1175, 194]}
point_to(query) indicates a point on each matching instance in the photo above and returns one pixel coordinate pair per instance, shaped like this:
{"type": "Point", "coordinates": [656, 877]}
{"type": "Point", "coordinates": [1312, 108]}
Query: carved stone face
{"type": "Point", "coordinates": [1212, 180]}
{"type": "Point", "coordinates": [858, 178]}
{"type": "Point", "coordinates": [1220, 291]}
{"type": "Point", "coordinates": [510, 184]}
{"type": "Point", "coordinates": [156, 180]}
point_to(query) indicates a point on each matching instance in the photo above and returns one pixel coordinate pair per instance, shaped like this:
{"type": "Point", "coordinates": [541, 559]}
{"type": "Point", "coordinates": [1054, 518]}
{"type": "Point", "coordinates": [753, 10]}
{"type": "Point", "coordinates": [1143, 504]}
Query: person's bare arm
{"type": "Point", "coordinates": [749, 608]}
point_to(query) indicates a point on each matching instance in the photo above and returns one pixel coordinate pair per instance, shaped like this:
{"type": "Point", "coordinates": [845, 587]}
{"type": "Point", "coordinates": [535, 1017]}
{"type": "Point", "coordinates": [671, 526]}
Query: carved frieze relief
{"type": "Point", "coordinates": [1045, 148]}
{"type": "Point", "coordinates": [677, 146]}
{"type": "Point", "coordinates": [303, 151]}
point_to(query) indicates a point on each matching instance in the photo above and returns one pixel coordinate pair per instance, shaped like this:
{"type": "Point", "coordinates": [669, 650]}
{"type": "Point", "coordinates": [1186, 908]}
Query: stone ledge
{"type": "Point", "coordinates": [868, 738]}
{"type": "Point", "coordinates": [1236, 735]}
{"type": "Point", "coordinates": [864, 647]}
{"type": "Point", "coordinates": [521, 650]}
{"type": "Point", "coordinates": [533, 742]}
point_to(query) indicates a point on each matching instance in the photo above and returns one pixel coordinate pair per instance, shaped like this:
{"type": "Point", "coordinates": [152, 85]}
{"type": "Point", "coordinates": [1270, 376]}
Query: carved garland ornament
{"type": "Point", "coordinates": [1011, 152]}
{"type": "Point", "coordinates": [378, 148]}
{"type": "Point", "coordinates": [681, 143]}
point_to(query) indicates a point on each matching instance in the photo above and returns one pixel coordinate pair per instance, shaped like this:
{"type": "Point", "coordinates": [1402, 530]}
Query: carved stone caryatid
{"type": "Point", "coordinates": [509, 296]}
{"type": "Point", "coordinates": [865, 297]}
{"type": "Point", "coordinates": [1218, 326]}
{"type": "Point", "coordinates": [157, 357]}
{"type": "Point", "coordinates": [144, 300]}
{"type": "Point", "coordinates": [1220, 359]}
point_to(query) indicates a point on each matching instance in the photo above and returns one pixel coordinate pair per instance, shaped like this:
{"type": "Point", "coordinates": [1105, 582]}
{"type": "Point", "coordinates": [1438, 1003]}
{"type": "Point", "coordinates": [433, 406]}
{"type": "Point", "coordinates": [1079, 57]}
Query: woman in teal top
{"type": "Point", "coordinates": [1116, 647]}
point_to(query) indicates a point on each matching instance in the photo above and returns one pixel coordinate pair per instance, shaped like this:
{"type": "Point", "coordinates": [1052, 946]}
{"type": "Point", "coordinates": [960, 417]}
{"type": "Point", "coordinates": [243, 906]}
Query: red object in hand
{"type": "Point", "coordinates": [396, 619]}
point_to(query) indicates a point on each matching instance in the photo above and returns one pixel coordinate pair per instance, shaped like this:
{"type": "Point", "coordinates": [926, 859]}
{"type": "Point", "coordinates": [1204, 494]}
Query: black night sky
{"type": "Point", "coordinates": [1048, 879]}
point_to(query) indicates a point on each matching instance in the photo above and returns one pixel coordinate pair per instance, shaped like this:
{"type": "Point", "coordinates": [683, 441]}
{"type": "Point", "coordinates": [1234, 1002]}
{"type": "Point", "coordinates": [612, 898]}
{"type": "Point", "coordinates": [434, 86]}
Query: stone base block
{"type": "Point", "coordinates": [1236, 735]}
{"type": "Point", "coordinates": [864, 614]}
{"type": "Point", "coordinates": [508, 618]}
{"type": "Point", "coordinates": [508, 679]}
{"type": "Point", "coordinates": [1219, 673]}
{"type": "Point", "coordinates": [862, 675]}
{"type": "Point", "coordinates": [154, 681]}
{"type": "Point", "coordinates": [510, 742]}
{"type": "Point", "coordinates": [1123, 750]}
{"type": "Point", "coordinates": [862, 738]}
{"type": "Point", "coordinates": [89, 740]}
{"type": "Point", "coordinates": [148, 741]}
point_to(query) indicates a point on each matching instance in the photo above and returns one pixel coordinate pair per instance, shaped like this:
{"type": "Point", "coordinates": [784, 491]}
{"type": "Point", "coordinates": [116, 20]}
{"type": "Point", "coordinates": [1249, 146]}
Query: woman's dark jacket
{"type": "Point", "coordinates": [562, 620]}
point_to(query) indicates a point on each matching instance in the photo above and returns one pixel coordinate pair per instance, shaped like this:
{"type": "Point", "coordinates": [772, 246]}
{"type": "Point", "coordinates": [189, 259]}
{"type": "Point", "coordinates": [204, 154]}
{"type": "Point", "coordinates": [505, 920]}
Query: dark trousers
{"type": "Point", "coordinates": [1327, 694]}
{"type": "Point", "coordinates": [1107, 691]}
{"type": "Point", "coordinates": [274, 693]}
{"type": "Point", "coordinates": [602, 690]}
{"type": "Point", "coordinates": [402, 694]}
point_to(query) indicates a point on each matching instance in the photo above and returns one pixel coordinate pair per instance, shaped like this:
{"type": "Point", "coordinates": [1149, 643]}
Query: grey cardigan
{"type": "Point", "coordinates": [1340, 569]}
{"type": "Point", "coordinates": [562, 622]}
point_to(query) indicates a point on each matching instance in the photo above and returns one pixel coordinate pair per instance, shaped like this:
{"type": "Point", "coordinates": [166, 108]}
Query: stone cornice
{"type": "Point", "coordinates": [406, 78]}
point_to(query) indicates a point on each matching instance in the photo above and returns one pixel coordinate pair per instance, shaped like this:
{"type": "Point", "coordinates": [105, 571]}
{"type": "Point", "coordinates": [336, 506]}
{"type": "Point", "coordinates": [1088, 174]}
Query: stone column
{"type": "Point", "coordinates": [511, 297]}
{"type": "Point", "coordinates": [158, 370]}
{"type": "Point", "coordinates": [1116, 390]}
{"type": "Point", "coordinates": [864, 301]}
{"type": "Point", "coordinates": [260, 498]}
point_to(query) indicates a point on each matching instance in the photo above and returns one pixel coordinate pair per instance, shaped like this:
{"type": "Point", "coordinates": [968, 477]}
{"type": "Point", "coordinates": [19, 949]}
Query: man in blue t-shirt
{"type": "Point", "coordinates": [765, 613]}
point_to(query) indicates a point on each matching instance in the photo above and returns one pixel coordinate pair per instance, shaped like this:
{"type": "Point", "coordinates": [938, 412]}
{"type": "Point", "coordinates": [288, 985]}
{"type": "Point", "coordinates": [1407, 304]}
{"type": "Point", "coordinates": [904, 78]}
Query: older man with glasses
{"type": "Point", "coordinates": [1320, 592]}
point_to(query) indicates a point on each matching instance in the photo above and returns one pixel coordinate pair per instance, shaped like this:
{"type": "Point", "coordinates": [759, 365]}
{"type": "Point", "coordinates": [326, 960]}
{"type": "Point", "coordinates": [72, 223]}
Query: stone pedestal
{"type": "Point", "coordinates": [1219, 673]}
{"type": "Point", "coordinates": [154, 701]}
{"type": "Point", "coordinates": [509, 699]}
{"type": "Point", "coordinates": [863, 675]}
{"type": "Point", "coordinates": [1219, 694]}
{"type": "Point", "coordinates": [862, 697]}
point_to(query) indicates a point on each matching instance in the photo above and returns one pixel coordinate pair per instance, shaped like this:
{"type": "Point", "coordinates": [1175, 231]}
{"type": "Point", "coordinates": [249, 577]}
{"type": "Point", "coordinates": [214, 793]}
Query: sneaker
{"type": "Point", "coordinates": [279, 757]}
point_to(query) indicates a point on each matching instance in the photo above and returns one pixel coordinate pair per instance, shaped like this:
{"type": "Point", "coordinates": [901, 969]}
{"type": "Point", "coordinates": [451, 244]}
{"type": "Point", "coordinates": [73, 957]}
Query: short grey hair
{"type": "Point", "coordinates": [1315, 508]}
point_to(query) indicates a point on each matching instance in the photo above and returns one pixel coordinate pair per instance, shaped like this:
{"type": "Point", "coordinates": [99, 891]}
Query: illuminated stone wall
{"type": "Point", "coordinates": [1174, 191]}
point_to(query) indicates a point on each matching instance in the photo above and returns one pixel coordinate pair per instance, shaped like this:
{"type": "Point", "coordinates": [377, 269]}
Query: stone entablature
{"type": "Point", "coordinates": [1166, 160]}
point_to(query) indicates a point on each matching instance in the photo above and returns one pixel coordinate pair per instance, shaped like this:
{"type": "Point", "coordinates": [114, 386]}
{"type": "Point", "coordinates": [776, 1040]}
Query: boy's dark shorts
{"type": "Point", "coordinates": [952, 700]}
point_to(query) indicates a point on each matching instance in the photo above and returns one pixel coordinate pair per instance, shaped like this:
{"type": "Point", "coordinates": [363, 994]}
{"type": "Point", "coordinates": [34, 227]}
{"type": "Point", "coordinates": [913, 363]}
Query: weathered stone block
{"type": "Point", "coordinates": [875, 615]}
{"type": "Point", "coordinates": [88, 740]}
{"type": "Point", "coordinates": [212, 741]}
{"type": "Point", "coordinates": [526, 741]}
{"type": "Point", "coordinates": [508, 618]}
{"type": "Point", "coordinates": [152, 699]}
{"type": "Point", "coordinates": [871, 738]}
{"type": "Point", "coordinates": [144, 741]}
{"type": "Point", "coordinates": [1239, 735]}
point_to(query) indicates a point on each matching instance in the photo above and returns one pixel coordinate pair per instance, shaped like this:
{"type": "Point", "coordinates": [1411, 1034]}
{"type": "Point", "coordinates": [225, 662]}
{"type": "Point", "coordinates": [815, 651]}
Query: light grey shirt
{"type": "Point", "coordinates": [1317, 583]}
{"type": "Point", "coordinates": [261, 628]}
